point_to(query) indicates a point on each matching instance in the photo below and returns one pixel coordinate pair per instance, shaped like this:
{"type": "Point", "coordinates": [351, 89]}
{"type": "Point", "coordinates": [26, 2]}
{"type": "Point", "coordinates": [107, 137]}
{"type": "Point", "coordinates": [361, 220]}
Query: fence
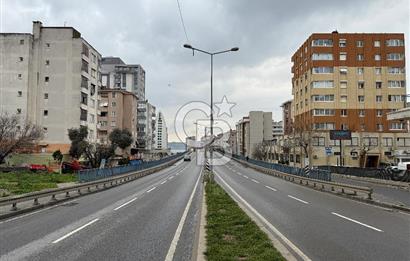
{"type": "Point", "coordinates": [318, 174]}
{"type": "Point", "coordinates": [96, 174]}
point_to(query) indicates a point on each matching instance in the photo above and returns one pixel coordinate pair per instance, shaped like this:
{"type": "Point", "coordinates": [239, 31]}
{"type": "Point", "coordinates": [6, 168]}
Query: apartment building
{"type": "Point", "coordinates": [253, 130]}
{"type": "Point", "coordinates": [350, 81]}
{"type": "Point", "coordinates": [118, 110]}
{"type": "Point", "coordinates": [287, 117]}
{"type": "Point", "coordinates": [118, 75]}
{"type": "Point", "coordinates": [161, 137]}
{"type": "Point", "coordinates": [277, 130]}
{"type": "Point", "coordinates": [51, 77]}
{"type": "Point", "coordinates": [146, 118]}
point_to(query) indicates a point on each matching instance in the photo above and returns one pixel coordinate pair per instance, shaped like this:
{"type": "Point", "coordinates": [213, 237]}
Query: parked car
{"type": "Point", "coordinates": [187, 157]}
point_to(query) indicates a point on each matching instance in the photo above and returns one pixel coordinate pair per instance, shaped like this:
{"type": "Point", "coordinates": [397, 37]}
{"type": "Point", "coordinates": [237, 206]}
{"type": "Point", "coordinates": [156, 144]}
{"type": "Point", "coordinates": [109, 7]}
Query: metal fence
{"type": "Point", "coordinates": [96, 174]}
{"type": "Point", "coordinates": [318, 174]}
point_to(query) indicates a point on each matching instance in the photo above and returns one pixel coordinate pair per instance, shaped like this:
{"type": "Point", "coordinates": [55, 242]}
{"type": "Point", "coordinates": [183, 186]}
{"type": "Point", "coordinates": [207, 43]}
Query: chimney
{"type": "Point", "coordinates": [36, 29]}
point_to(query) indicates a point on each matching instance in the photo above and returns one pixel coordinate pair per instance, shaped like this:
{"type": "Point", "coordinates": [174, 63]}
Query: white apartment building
{"type": "Point", "coordinates": [146, 118]}
{"type": "Point", "coordinates": [161, 138]}
{"type": "Point", "coordinates": [277, 130]}
{"type": "Point", "coordinates": [57, 75]}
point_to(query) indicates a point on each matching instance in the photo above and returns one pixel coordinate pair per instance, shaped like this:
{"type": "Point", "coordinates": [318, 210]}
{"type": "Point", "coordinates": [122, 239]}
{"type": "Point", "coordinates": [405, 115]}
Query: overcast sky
{"type": "Point", "coordinates": [149, 32]}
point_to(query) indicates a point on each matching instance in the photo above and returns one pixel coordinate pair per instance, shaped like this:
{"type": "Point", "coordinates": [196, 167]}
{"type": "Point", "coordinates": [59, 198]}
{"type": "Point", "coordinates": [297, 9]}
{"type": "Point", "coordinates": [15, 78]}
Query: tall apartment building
{"type": "Point", "coordinates": [118, 75]}
{"type": "Point", "coordinates": [277, 130]}
{"type": "Point", "coordinates": [287, 117]}
{"type": "Point", "coordinates": [51, 77]}
{"type": "Point", "coordinates": [118, 110]}
{"type": "Point", "coordinates": [161, 137]}
{"type": "Point", "coordinates": [350, 81]}
{"type": "Point", "coordinates": [146, 118]}
{"type": "Point", "coordinates": [253, 130]}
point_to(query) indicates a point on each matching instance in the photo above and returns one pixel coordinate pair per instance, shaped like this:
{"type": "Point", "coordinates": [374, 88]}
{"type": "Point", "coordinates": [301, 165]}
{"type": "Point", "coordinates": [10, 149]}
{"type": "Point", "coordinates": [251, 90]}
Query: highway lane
{"type": "Point", "coordinates": [135, 221]}
{"type": "Point", "coordinates": [322, 226]}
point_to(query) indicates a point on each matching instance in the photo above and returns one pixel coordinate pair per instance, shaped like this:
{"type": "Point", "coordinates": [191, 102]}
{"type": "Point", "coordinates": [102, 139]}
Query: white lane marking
{"type": "Point", "coordinates": [174, 242]}
{"type": "Point", "coordinates": [171, 177]}
{"type": "Point", "coordinates": [254, 180]}
{"type": "Point", "coordinates": [246, 177]}
{"type": "Point", "coordinates": [270, 188]}
{"type": "Point", "coordinates": [148, 191]}
{"type": "Point", "coordinates": [269, 225]}
{"type": "Point", "coordinates": [298, 199]}
{"type": "Point", "coordinates": [357, 222]}
{"type": "Point", "coordinates": [126, 203]}
{"type": "Point", "coordinates": [163, 182]}
{"type": "Point", "coordinates": [75, 231]}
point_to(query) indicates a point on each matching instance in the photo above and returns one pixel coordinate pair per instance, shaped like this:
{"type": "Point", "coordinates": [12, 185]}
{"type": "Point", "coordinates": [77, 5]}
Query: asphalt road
{"type": "Point", "coordinates": [320, 225]}
{"type": "Point", "coordinates": [152, 218]}
{"type": "Point", "coordinates": [381, 192]}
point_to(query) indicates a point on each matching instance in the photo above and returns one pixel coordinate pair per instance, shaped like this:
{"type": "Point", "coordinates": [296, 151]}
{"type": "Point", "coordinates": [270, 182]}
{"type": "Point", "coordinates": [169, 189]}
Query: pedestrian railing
{"type": "Point", "coordinates": [318, 174]}
{"type": "Point", "coordinates": [88, 175]}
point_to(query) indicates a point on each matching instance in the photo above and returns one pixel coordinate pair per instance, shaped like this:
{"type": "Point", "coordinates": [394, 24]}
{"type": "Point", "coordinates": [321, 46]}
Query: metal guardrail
{"type": "Point", "coordinates": [318, 174]}
{"type": "Point", "coordinates": [319, 184]}
{"type": "Point", "coordinates": [96, 174]}
{"type": "Point", "coordinates": [100, 184]}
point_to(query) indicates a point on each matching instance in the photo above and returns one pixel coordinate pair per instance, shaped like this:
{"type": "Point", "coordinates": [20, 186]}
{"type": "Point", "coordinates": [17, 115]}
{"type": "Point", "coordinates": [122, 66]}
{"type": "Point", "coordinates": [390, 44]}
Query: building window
{"type": "Point", "coordinates": [113, 104]}
{"type": "Point", "coordinates": [322, 57]}
{"type": "Point", "coordinates": [378, 85]}
{"type": "Point", "coordinates": [48, 45]}
{"type": "Point", "coordinates": [360, 85]}
{"type": "Point", "coordinates": [342, 42]}
{"type": "Point", "coordinates": [370, 141]}
{"type": "Point", "coordinates": [85, 50]}
{"type": "Point", "coordinates": [379, 98]}
{"type": "Point", "coordinates": [19, 76]}
{"type": "Point", "coordinates": [45, 96]}
{"type": "Point", "coordinates": [334, 143]}
{"type": "Point", "coordinates": [343, 56]}
{"type": "Point", "coordinates": [395, 56]}
{"type": "Point", "coordinates": [377, 57]}
{"type": "Point", "coordinates": [343, 113]}
{"type": "Point", "coordinates": [18, 111]}
{"type": "Point", "coordinates": [113, 124]}
{"type": "Point", "coordinates": [396, 84]}
{"type": "Point", "coordinates": [379, 127]}
{"type": "Point", "coordinates": [353, 142]}
{"type": "Point", "coordinates": [403, 142]}
{"type": "Point", "coordinates": [395, 42]}
{"type": "Point", "coordinates": [124, 80]}
{"type": "Point", "coordinates": [322, 84]}
{"type": "Point", "coordinates": [379, 113]}
{"type": "Point", "coordinates": [92, 118]}
{"type": "Point", "coordinates": [21, 59]}
{"type": "Point", "coordinates": [92, 89]}
{"type": "Point", "coordinates": [388, 142]}
{"type": "Point", "coordinates": [22, 41]}
{"type": "Point", "coordinates": [45, 113]}
{"type": "Point", "coordinates": [322, 70]}
{"type": "Point", "coordinates": [84, 82]}
{"type": "Point", "coordinates": [83, 115]}
{"type": "Point", "coordinates": [47, 79]}
{"type": "Point", "coordinates": [84, 98]}
{"type": "Point", "coordinates": [397, 126]}
{"type": "Point", "coordinates": [360, 98]}
{"type": "Point", "coordinates": [396, 98]}
{"type": "Point", "coordinates": [324, 126]}
{"type": "Point", "coordinates": [376, 43]}
{"type": "Point", "coordinates": [318, 141]}
{"type": "Point", "coordinates": [84, 66]}
{"type": "Point", "coordinates": [113, 114]}
{"type": "Point", "coordinates": [359, 43]}
{"type": "Point", "coordinates": [344, 126]}
{"type": "Point", "coordinates": [363, 127]}
{"type": "Point", "coordinates": [396, 70]}
{"type": "Point", "coordinates": [19, 93]}
{"type": "Point", "coordinates": [378, 70]}
{"type": "Point", "coordinates": [323, 98]}
{"type": "Point", "coordinates": [323, 112]}
{"type": "Point", "coordinates": [322, 42]}
{"type": "Point", "coordinates": [343, 84]}
{"type": "Point", "coordinates": [343, 98]}
{"type": "Point", "coordinates": [360, 57]}
{"type": "Point", "coordinates": [47, 62]}
{"type": "Point", "coordinates": [113, 95]}
{"type": "Point", "coordinates": [93, 73]}
{"type": "Point", "coordinates": [362, 113]}
{"type": "Point", "coordinates": [343, 71]}
{"type": "Point", "coordinates": [360, 70]}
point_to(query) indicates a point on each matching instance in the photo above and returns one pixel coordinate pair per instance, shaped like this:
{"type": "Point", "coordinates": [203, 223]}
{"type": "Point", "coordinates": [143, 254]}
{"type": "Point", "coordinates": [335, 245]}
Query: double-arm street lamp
{"type": "Point", "coordinates": [234, 49]}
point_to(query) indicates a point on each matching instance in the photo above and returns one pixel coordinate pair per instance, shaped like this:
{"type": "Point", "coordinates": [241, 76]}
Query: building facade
{"type": "Point", "coordinates": [57, 74]}
{"type": "Point", "coordinates": [345, 81]}
{"type": "Point", "coordinates": [287, 117]}
{"type": "Point", "coordinates": [277, 130]}
{"type": "Point", "coordinates": [146, 121]}
{"type": "Point", "coordinates": [118, 110]}
{"type": "Point", "coordinates": [161, 137]}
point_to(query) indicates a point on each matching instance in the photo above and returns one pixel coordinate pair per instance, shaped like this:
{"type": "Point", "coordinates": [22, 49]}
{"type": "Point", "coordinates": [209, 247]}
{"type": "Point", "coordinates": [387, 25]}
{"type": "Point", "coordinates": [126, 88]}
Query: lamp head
{"type": "Point", "coordinates": [188, 46]}
{"type": "Point", "coordinates": [235, 49]}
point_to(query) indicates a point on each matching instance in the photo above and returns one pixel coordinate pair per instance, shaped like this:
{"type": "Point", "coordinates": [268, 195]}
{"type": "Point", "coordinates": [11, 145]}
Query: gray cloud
{"type": "Point", "coordinates": [267, 32]}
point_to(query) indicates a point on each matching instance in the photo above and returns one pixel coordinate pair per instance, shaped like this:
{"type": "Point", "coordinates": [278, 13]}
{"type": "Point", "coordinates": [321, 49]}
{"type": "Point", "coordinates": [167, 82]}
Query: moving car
{"type": "Point", "coordinates": [187, 157]}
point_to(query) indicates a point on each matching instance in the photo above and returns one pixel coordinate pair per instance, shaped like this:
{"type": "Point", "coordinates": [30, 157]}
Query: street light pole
{"type": "Point", "coordinates": [234, 49]}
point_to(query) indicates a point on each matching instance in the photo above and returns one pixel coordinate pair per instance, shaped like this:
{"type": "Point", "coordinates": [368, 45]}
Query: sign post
{"type": "Point", "coordinates": [340, 135]}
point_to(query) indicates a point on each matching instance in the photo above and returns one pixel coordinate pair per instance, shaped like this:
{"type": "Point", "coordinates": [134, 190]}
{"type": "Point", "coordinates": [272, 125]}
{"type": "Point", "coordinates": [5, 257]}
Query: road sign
{"type": "Point", "coordinates": [340, 135]}
{"type": "Point", "coordinates": [328, 151]}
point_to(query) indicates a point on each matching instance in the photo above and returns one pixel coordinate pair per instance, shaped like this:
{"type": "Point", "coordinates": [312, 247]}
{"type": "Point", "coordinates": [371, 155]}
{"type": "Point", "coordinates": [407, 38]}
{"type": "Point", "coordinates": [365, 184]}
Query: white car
{"type": "Point", "coordinates": [187, 157]}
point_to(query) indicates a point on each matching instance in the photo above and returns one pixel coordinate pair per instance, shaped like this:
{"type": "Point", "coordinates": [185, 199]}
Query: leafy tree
{"type": "Point", "coordinates": [121, 138]}
{"type": "Point", "coordinates": [14, 135]}
{"type": "Point", "coordinates": [95, 153]}
{"type": "Point", "coordinates": [78, 137]}
{"type": "Point", "coordinates": [57, 156]}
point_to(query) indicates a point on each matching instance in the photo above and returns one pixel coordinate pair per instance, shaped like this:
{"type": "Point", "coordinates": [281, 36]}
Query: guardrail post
{"type": "Point", "coordinates": [67, 194]}
{"type": "Point", "coordinates": [89, 189]}
{"type": "Point", "coordinates": [354, 193]}
{"type": "Point", "coordinates": [369, 196]}
{"type": "Point", "coordinates": [332, 188]}
{"type": "Point", "coordinates": [79, 191]}
{"type": "Point", "coordinates": [343, 190]}
{"type": "Point", "coordinates": [35, 203]}
{"type": "Point", "coordinates": [14, 207]}
{"type": "Point", "coordinates": [323, 186]}
{"type": "Point", "coordinates": [53, 197]}
{"type": "Point", "coordinates": [314, 184]}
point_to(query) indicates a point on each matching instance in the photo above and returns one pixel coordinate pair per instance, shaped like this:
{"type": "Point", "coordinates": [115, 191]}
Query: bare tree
{"type": "Point", "coordinates": [261, 151]}
{"type": "Point", "coordinates": [14, 135]}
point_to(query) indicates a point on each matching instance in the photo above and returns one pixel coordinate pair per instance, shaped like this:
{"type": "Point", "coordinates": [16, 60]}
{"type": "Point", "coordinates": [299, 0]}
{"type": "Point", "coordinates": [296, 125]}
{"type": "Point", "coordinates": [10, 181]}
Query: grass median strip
{"type": "Point", "coordinates": [231, 234]}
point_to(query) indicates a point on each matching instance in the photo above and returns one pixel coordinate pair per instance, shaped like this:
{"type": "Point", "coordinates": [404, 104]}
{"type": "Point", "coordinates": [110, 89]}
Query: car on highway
{"type": "Point", "coordinates": [187, 157]}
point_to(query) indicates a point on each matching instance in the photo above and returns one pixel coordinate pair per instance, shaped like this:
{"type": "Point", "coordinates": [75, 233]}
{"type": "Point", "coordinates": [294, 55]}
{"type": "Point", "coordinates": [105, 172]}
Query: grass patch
{"type": "Point", "coordinates": [231, 234]}
{"type": "Point", "coordinates": [15, 183]}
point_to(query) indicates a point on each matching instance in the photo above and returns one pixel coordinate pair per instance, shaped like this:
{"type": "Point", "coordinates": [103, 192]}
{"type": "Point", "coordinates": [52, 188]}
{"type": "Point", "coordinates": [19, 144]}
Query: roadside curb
{"type": "Point", "coordinates": [347, 196]}
{"type": "Point", "coordinates": [201, 247]}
